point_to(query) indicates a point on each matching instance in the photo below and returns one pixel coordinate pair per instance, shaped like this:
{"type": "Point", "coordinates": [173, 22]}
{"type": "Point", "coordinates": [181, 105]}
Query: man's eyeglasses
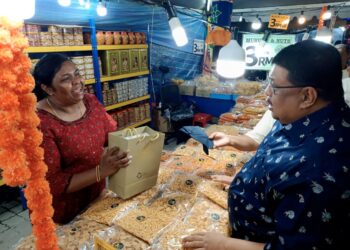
{"type": "Point", "coordinates": [276, 88]}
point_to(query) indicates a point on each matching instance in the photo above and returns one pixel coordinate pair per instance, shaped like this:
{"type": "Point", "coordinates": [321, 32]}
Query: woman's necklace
{"type": "Point", "coordinates": [56, 114]}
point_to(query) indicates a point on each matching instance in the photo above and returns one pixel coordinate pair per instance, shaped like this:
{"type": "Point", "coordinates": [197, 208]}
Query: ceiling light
{"type": "Point", "coordinates": [328, 14]}
{"type": "Point", "coordinates": [101, 9]}
{"type": "Point", "coordinates": [87, 4]}
{"type": "Point", "coordinates": [256, 24]}
{"type": "Point", "coordinates": [209, 3]}
{"type": "Point", "coordinates": [177, 31]}
{"type": "Point", "coordinates": [302, 18]}
{"type": "Point", "coordinates": [81, 2]}
{"type": "Point", "coordinates": [324, 35]}
{"type": "Point", "coordinates": [231, 61]}
{"type": "Point", "coordinates": [10, 9]}
{"type": "Point", "coordinates": [64, 3]}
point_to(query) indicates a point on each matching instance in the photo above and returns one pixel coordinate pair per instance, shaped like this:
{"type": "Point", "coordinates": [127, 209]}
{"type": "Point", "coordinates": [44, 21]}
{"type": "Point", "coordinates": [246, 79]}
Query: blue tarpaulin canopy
{"type": "Point", "coordinates": [137, 16]}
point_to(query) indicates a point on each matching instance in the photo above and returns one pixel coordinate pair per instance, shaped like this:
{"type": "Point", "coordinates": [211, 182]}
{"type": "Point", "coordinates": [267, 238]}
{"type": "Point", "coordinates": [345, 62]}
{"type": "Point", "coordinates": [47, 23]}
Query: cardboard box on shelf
{"type": "Point", "coordinates": [134, 60]}
{"type": "Point", "coordinates": [143, 59]}
{"type": "Point", "coordinates": [124, 59]}
{"type": "Point", "coordinates": [110, 62]}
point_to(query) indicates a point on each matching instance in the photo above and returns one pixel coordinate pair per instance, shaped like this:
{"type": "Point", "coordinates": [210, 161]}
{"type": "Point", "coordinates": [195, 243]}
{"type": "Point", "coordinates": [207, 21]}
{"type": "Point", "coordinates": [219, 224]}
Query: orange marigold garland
{"type": "Point", "coordinates": [21, 157]}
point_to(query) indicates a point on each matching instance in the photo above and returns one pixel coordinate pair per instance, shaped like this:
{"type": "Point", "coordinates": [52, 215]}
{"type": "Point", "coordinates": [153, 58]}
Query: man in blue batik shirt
{"type": "Point", "coordinates": [295, 192]}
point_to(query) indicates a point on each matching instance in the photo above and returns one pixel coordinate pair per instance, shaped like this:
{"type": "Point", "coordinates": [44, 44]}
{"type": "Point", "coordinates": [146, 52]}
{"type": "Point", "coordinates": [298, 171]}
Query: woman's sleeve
{"type": "Point", "coordinates": [57, 178]}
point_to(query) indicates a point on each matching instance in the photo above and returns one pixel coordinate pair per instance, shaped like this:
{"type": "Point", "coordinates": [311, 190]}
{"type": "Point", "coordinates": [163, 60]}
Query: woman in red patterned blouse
{"type": "Point", "coordinates": [75, 128]}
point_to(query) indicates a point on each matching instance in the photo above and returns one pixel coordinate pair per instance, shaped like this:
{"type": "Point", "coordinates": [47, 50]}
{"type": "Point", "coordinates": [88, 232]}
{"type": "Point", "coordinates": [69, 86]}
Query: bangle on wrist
{"type": "Point", "coordinates": [98, 174]}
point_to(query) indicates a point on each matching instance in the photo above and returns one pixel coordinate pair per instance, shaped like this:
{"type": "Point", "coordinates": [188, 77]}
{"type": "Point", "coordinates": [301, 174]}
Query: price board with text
{"type": "Point", "coordinates": [279, 22]}
{"type": "Point", "coordinates": [198, 47]}
{"type": "Point", "coordinates": [259, 55]}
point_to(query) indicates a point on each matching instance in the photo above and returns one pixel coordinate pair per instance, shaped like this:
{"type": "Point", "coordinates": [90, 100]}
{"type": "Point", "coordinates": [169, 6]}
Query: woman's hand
{"type": "Point", "coordinates": [112, 160]}
{"type": "Point", "coordinates": [220, 139]}
{"type": "Point", "coordinates": [205, 241]}
{"type": "Point", "coordinates": [222, 179]}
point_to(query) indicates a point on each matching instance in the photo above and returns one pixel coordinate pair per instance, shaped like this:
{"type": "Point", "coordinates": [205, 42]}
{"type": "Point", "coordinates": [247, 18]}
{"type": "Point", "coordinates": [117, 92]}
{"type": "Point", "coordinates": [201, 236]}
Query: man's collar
{"type": "Point", "coordinates": [299, 129]}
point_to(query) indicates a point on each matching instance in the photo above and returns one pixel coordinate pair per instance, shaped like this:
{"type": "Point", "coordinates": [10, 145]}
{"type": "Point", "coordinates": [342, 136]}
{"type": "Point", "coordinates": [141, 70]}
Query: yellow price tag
{"type": "Point", "coordinates": [279, 22]}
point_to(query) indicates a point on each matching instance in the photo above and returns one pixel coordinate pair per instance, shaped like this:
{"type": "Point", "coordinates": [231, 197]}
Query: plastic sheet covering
{"type": "Point", "coordinates": [148, 221]}
{"type": "Point", "coordinates": [204, 216]}
{"type": "Point", "coordinates": [119, 239]}
{"type": "Point", "coordinates": [76, 235]}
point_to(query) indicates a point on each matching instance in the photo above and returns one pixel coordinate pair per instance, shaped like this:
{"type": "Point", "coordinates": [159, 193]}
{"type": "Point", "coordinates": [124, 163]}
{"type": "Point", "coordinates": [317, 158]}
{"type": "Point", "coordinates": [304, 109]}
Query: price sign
{"type": "Point", "coordinates": [198, 47]}
{"type": "Point", "coordinates": [279, 22]}
{"type": "Point", "coordinates": [259, 56]}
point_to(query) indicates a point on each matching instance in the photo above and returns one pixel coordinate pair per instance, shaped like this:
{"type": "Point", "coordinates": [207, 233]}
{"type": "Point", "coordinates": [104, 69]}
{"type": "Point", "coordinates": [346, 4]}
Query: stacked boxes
{"type": "Point", "coordinates": [125, 90]}
{"type": "Point", "coordinates": [128, 116]}
{"type": "Point", "coordinates": [85, 66]}
{"type": "Point", "coordinates": [124, 59]}
{"type": "Point", "coordinates": [116, 62]}
{"type": "Point", "coordinates": [89, 89]}
{"type": "Point", "coordinates": [45, 39]}
{"type": "Point", "coordinates": [116, 37]}
{"type": "Point", "coordinates": [56, 35]}
{"type": "Point", "coordinates": [143, 59]}
{"type": "Point", "coordinates": [33, 34]}
{"type": "Point", "coordinates": [110, 65]}
{"type": "Point", "coordinates": [68, 36]}
{"type": "Point", "coordinates": [53, 35]}
{"type": "Point", "coordinates": [134, 60]}
{"type": "Point", "coordinates": [78, 36]}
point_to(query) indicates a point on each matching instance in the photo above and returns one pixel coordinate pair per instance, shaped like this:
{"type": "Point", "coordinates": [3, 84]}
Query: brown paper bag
{"type": "Point", "coordinates": [145, 146]}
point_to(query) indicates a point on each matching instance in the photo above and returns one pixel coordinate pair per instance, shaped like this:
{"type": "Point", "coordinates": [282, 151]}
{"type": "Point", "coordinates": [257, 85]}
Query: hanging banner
{"type": "Point", "coordinates": [279, 22]}
{"type": "Point", "coordinates": [259, 56]}
{"type": "Point", "coordinates": [221, 11]}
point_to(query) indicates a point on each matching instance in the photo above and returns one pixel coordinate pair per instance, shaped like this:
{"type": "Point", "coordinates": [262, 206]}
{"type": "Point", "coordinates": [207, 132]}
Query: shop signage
{"type": "Point", "coordinates": [198, 47]}
{"type": "Point", "coordinates": [279, 22]}
{"type": "Point", "coordinates": [258, 54]}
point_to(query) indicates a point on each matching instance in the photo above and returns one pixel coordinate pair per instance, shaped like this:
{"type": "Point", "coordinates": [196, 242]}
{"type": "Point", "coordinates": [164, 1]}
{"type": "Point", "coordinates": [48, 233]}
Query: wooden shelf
{"type": "Point", "coordinates": [122, 104]}
{"type": "Point", "coordinates": [127, 46]}
{"type": "Point", "coordinates": [58, 49]}
{"type": "Point", "coordinates": [90, 81]}
{"type": "Point", "coordinates": [135, 125]}
{"type": "Point", "coordinates": [118, 77]}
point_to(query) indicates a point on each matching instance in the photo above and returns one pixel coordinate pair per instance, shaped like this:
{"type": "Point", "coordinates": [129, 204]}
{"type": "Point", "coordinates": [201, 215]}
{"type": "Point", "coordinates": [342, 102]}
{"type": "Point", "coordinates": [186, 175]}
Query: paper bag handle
{"type": "Point", "coordinates": [155, 137]}
{"type": "Point", "coordinates": [141, 139]}
{"type": "Point", "coordinates": [130, 131]}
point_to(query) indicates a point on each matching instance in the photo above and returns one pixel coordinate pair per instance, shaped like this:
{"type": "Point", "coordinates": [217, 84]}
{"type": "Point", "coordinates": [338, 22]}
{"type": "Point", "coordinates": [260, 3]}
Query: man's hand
{"type": "Point", "coordinates": [204, 241]}
{"type": "Point", "coordinates": [220, 139]}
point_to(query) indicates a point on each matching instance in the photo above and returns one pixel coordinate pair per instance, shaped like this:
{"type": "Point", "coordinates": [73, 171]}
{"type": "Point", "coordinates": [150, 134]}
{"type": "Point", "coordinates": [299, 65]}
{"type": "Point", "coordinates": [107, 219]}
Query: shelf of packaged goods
{"type": "Point", "coordinates": [135, 125]}
{"type": "Point", "coordinates": [1, 182]}
{"type": "Point", "coordinates": [58, 49]}
{"type": "Point", "coordinates": [122, 104]}
{"type": "Point", "coordinates": [90, 81]}
{"type": "Point", "coordinates": [129, 46]}
{"type": "Point", "coordinates": [118, 77]}
{"type": "Point", "coordinates": [44, 49]}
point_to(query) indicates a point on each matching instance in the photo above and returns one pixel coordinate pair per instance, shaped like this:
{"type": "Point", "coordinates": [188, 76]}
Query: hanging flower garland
{"type": "Point", "coordinates": [21, 157]}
